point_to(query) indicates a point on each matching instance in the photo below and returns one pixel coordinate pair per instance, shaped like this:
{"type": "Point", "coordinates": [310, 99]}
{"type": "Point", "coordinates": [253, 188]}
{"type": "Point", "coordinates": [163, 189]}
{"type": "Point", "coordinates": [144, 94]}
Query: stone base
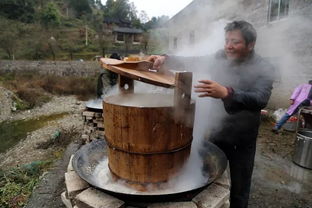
{"type": "Point", "coordinates": [80, 195]}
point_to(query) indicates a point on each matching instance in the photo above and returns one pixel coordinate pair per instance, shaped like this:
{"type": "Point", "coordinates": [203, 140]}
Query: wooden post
{"type": "Point", "coordinates": [182, 95]}
{"type": "Point", "coordinates": [125, 84]}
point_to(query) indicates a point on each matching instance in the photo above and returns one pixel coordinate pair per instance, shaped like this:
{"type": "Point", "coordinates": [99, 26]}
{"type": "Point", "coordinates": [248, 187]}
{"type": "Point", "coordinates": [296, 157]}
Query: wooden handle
{"type": "Point", "coordinates": [134, 65]}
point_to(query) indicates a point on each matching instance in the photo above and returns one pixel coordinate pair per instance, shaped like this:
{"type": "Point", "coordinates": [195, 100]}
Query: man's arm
{"type": "Point", "coordinates": [178, 63]}
{"type": "Point", "coordinates": [253, 99]}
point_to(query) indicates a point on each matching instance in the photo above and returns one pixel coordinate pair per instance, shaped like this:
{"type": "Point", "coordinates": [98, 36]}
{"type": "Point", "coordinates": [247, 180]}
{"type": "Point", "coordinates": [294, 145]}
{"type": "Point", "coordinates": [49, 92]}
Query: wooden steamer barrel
{"type": "Point", "coordinates": [149, 135]}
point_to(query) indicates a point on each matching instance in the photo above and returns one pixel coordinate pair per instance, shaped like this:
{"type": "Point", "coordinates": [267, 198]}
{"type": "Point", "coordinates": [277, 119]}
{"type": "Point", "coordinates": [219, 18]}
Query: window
{"type": "Point", "coordinates": [120, 37]}
{"type": "Point", "coordinates": [278, 9]}
{"type": "Point", "coordinates": [136, 38]}
{"type": "Point", "coordinates": [192, 37]}
{"type": "Point", "coordinates": [175, 43]}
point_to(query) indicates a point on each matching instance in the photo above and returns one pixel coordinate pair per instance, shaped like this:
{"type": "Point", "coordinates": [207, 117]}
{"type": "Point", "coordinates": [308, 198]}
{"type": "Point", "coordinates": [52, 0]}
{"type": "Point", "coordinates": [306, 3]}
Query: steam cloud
{"type": "Point", "coordinates": [278, 42]}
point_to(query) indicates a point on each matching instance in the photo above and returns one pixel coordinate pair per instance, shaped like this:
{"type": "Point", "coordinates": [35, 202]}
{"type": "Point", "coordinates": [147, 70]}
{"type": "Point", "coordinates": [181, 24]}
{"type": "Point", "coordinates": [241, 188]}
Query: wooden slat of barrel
{"type": "Point", "coordinates": [144, 169]}
{"type": "Point", "coordinates": [146, 144]}
{"type": "Point", "coordinates": [145, 130]}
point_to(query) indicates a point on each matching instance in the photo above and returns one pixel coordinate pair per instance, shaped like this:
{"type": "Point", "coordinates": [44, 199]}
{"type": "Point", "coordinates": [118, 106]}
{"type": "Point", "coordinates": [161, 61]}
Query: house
{"type": "Point", "coordinates": [284, 35]}
{"type": "Point", "coordinates": [124, 39]}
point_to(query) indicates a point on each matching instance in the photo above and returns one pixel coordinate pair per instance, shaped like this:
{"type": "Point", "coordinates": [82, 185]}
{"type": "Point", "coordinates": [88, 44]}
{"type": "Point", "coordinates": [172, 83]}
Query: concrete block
{"type": "Point", "coordinates": [98, 115]}
{"type": "Point", "coordinates": [92, 198]}
{"type": "Point", "coordinates": [226, 204]}
{"type": "Point", "coordinates": [70, 165]}
{"type": "Point", "coordinates": [66, 201]}
{"type": "Point", "coordinates": [224, 180]}
{"type": "Point", "coordinates": [100, 133]}
{"type": "Point", "coordinates": [88, 113]}
{"type": "Point", "coordinates": [85, 137]}
{"type": "Point", "coordinates": [100, 124]}
{"type": "Point", "coordinates": [89, 118]}
{"type": "Point", "coordinates": [173, 205]}
{"type": "Point", "coordinates": [74, 184]}
{"type": "Point", "coordinates": [100, 119]}
{"type": "Point", "coordinates": [214, 196]}
{"type": "Point", "coordinates": [91, 125]}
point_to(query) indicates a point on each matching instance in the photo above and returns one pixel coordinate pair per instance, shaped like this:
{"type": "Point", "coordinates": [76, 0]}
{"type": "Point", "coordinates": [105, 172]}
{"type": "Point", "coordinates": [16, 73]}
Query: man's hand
{"type": "Point", "coordinates": [208, 88]}
{"type": "Point", "coordinates": [157, 60]}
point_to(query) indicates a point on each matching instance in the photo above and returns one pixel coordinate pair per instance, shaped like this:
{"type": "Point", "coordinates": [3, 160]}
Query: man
{"type": "Point", "coordinates": [241, 85]}
{"type": "Point", "coordinates": [302, 96]}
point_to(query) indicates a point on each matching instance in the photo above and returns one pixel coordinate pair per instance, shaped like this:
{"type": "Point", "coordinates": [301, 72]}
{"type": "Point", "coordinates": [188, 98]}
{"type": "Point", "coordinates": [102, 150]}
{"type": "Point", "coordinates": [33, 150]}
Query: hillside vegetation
{"type": "Point", "coordinates": [65, 29]}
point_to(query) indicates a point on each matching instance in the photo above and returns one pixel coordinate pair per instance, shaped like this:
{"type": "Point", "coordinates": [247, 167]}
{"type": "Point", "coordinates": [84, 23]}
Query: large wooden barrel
{"type": "Point", "coordinates": [146, 143]}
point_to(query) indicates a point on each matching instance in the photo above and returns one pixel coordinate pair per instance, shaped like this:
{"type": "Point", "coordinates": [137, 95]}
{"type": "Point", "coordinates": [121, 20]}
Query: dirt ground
{"type": "Point", "coordinates": [277, 181]}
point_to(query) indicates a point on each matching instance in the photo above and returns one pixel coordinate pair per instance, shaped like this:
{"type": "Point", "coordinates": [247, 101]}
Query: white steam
{"type": "Point", "coordinates": [182, 183]}
{"type": "Point", "coordinates": [289, 46]}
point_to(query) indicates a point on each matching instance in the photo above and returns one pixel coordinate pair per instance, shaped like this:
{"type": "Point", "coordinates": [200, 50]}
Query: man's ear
{"type": "Point", "coordinates": [251, 46]}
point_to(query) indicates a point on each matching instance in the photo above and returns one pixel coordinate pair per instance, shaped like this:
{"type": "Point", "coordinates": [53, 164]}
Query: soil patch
{"type": "Point", "coordinates": [277, 181]}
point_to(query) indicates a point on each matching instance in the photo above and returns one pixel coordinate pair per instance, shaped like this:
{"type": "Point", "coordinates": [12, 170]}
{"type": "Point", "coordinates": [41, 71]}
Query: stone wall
{"type": "Point", "coordinates": [60, 68]}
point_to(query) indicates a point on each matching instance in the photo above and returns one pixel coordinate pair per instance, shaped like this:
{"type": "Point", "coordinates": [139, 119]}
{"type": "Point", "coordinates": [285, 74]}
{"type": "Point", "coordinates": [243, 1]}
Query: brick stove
{"type": "Point", "coordinates": [79, 194]}
{"type": "Point", "coordinates": [93, 127]}
{"type": "Point", "coordinates": [149, 151]}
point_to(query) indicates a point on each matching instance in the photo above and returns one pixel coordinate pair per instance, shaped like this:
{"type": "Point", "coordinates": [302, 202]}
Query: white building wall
{"type": "Point", "coordinates": [287, 42]}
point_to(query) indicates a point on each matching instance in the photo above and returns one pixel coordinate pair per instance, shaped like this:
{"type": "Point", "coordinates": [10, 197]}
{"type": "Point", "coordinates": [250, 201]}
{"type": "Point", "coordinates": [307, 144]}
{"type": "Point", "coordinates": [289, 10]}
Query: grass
{"type": "Point", "coordinates": [33, 89]}
{"type": "Point", "coordinates": [84, 88]}
{"type": "Point", "coordinates": [60, 139]}
{"type": "Point", "coordinates": [17, 183]}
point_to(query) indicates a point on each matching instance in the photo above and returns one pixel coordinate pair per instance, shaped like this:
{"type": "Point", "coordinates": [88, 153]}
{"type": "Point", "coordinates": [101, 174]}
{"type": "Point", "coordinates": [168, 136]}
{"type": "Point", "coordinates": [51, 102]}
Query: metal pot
{"type": "Point", "coordinates": [89, 156]}
{"type": "Point", "coordinates": [303, 149]}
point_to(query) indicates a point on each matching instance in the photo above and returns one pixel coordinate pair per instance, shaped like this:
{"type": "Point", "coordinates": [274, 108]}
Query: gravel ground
{"type": "Point", "coordinates": [5, 104]}
{"type": "Point", "coordinates": [26, 151]}
{"type": "Point", "coordinates": [277, 181]}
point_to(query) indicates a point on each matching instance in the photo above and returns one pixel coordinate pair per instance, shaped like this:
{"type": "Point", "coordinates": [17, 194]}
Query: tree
{"type": "Point", "coordinates": [143, 16]}
{"type": "Point", "coordinates": [81, 7]}
{"type": "Point", "coordinates": [145, 41]}
{"type": "Point", "coordinates": [52, 46]}
{"type": "Point", "coordinates": [10, 34]}
{"type": "Point", "coordinates": [98, 4]}
{"type": "Point", "coordinates": [50, 16]}
{"type": "Point", "coordinates": [38, 49]}
{"type": "Point", "coordinates": [22, 10]}
{"type": "Point", "coordinates": [120, 9]}
{"type": "Point", "coordinates": [156, 22]}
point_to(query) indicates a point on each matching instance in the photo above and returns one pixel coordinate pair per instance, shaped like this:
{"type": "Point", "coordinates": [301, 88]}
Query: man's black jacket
{"type": "Point", "coordinates": [236, 121]}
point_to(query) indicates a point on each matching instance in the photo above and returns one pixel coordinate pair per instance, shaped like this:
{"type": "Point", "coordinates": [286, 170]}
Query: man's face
{"type": "Point", "coordinates": [235, 46]}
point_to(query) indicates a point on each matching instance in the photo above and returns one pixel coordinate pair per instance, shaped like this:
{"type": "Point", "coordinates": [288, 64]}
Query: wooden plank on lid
{"type": "Point", "coordinates": [139, 70]}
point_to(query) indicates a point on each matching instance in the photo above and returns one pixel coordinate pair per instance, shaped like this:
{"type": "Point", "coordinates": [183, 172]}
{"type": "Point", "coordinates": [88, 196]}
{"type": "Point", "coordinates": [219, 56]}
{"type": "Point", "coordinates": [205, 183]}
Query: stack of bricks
{"type": "Point", "coordinates": [93, 125]}
{"type": "Point", "coordinates": [79, 194]}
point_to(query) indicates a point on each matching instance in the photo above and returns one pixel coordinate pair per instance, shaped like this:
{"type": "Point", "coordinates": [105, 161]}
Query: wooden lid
{"type": "Point", "coordinates": [139, 70]}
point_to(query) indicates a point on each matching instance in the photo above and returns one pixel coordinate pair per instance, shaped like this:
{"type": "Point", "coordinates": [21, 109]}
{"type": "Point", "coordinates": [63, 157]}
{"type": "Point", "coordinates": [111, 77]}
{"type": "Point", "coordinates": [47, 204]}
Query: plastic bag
{"type": "Point", "coordinates": [279, 113]}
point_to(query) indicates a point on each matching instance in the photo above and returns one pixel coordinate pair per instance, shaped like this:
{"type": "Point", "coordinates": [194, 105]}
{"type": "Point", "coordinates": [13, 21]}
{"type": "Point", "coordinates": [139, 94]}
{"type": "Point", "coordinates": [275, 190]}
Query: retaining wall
{"type": "Point", "coordinates": [60, 68]}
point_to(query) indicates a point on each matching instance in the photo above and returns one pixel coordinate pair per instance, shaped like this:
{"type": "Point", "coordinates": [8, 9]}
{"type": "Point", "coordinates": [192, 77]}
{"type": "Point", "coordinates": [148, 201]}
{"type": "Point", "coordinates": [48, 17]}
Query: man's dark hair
{"type": "Point", "coordinates": [248, 31]}
{"type": "Point", "coordinates": [310, 82]}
